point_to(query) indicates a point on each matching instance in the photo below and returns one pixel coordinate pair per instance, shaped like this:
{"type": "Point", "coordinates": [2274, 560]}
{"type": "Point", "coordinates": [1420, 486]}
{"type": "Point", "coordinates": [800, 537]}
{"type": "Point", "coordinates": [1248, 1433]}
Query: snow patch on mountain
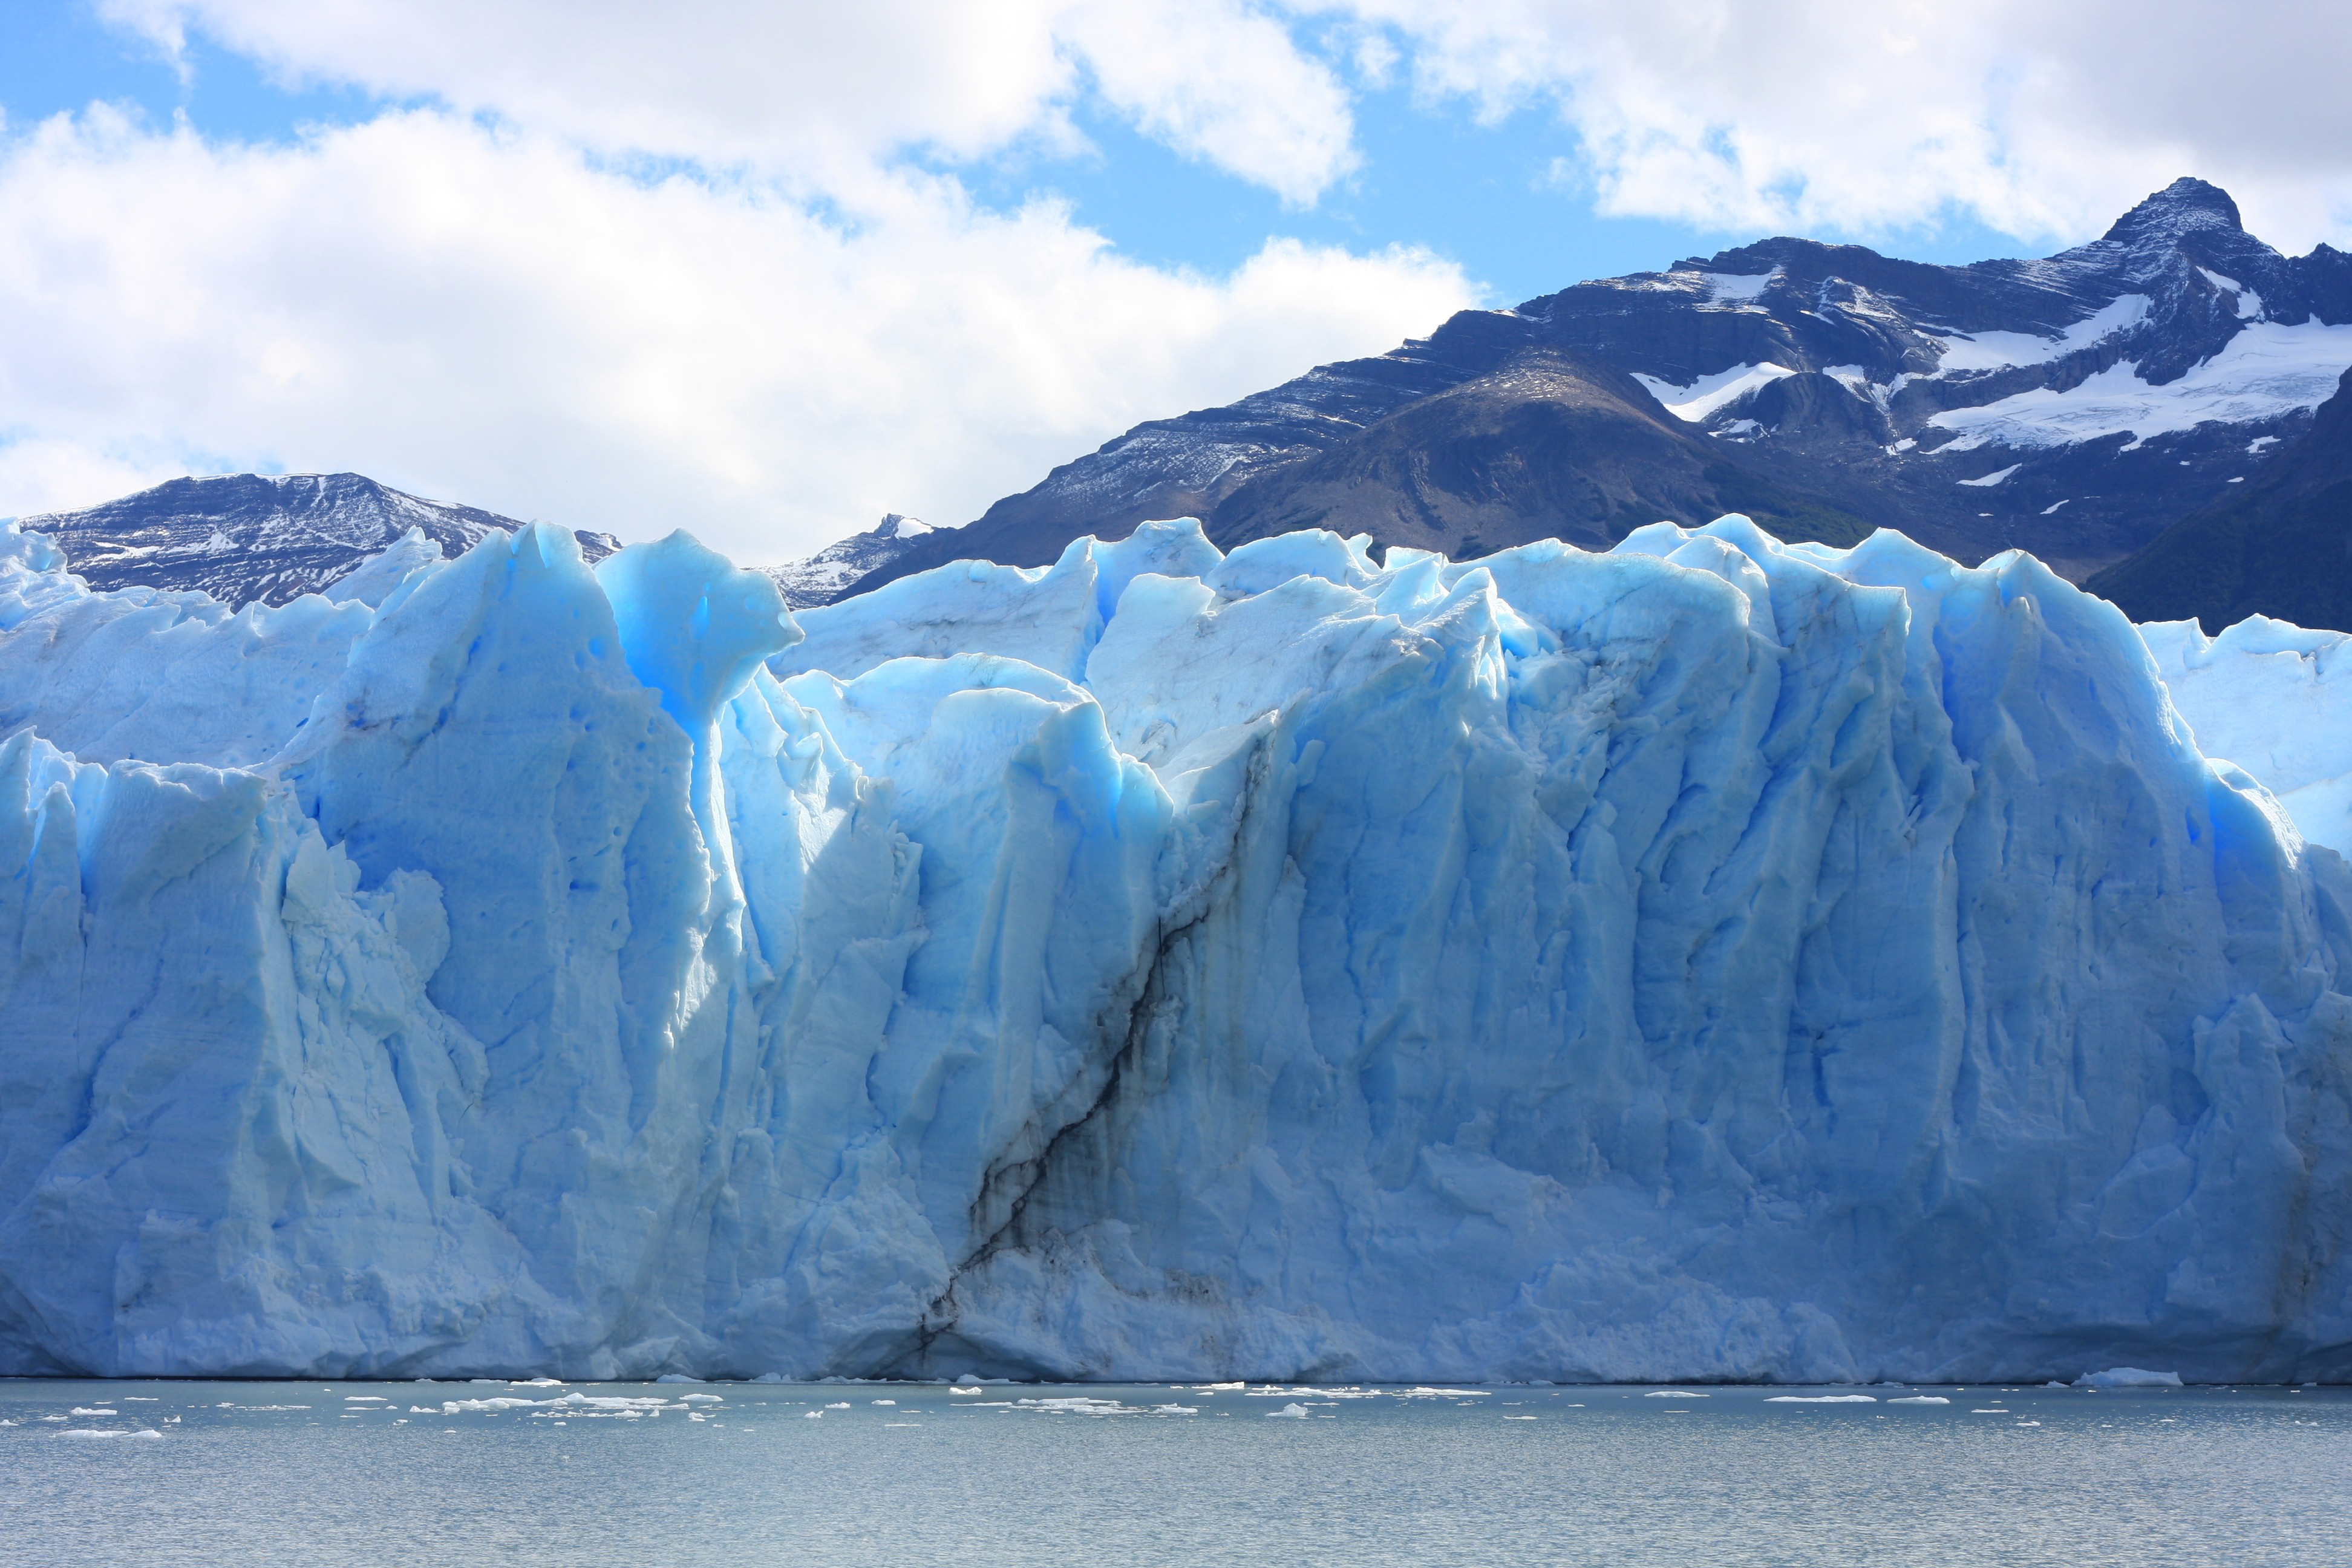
{"type": "Point", "coordinates": [2265, 371]}
{"type": "Point", "coordinates": [1700, 397]}
{"type": "Point", "coordinates": [1999, 350]}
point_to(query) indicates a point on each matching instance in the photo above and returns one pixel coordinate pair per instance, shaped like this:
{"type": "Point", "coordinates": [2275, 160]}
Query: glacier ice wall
{"type": "Point", "coordinates": [2277, 699]}
{"type": "Point", "coordinates": [1710, 958]}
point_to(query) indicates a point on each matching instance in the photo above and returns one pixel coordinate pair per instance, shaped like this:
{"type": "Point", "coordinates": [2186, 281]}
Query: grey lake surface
{"type": "Point", "coordinates": [675, 1474]}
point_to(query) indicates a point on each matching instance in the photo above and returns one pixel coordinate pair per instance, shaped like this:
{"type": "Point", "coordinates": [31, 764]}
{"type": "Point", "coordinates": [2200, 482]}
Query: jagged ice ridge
{"type": "Point", "coordinates": [1711, 959]}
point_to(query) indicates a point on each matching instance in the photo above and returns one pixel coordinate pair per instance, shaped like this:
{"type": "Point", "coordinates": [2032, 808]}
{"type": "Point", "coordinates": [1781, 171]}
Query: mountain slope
{"type": "Point", "coordinates": [1551, 443]}
{"type": "Point", "coordinates": [2070, 404]}
{"type": "Point", "coordinates": [262, 538]}
{"type": "Point", "coordinates": [820, 578]}
{"type": "Point", "coordinates": [2281, 547]}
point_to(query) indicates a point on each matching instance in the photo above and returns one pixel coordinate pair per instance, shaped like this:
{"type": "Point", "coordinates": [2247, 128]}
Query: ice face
{"type": "Point", "coordinates": [2275, 700]}
{"type": "Point", "coordinates": [1710, 958]}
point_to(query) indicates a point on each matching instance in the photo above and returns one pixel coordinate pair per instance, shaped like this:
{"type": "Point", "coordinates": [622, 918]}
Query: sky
{"type": "Point", "coordinates": [766, 271]}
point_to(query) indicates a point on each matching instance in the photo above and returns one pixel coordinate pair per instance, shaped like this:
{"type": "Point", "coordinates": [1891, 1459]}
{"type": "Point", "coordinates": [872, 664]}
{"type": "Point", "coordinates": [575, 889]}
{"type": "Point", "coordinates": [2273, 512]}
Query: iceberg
{"type": "Point", "coordinates": [1713, 959]}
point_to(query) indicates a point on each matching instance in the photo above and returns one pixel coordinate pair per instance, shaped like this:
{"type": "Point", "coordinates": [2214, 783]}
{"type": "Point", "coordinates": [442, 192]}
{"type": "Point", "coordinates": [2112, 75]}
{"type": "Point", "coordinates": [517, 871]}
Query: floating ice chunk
{"type": "Point", "coordinates": [883, 1401]}
{"type": "Point", "coordinates": [1920, 1399]}
{"type": "Point", "coordinates": [1294, 1411]}
{"type": "Point", "coordinates": [1823, 1399]}
{"type": "Point", "coordinates": [1674, 1394]}
{"type": "Point", "coordinates": [2128, 1377]}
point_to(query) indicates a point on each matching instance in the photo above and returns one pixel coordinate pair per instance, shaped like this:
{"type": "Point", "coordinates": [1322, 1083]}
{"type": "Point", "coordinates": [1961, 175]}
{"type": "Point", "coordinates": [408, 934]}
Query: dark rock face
{"type": "Point", "coordinates": [261, 538]}
{"type": "Point", "coordinates": [2279, 545]}
{"type": "Point", "coordinates": [2072, 406]}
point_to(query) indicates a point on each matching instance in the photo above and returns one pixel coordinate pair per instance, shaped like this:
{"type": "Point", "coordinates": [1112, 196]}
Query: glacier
{"type": "Point", "coordinates": [1713, 959]}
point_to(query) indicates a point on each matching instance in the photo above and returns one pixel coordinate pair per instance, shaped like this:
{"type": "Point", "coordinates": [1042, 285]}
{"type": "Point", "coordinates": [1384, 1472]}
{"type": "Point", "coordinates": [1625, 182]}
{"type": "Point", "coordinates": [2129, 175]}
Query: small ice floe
{"type": "Point", "coordinates": [2128, 1377]}
{"type": "Point", "coordinates": [844, 1404]}
{"type": "Point", "coordinates": [1920, 1399]}
{"type": "Point", "coordinates": [706, 1399]}
{"type": "Point", "coordinates": [1989, 1411]}
{"type": "Point", "coordinates": [1519, 1418]}
{"type": "Point", "coordinates": [882, 1401]}
{"type": "Point", "coordinates": [1823, 1399]}
{"type": "Point", "coordinates": [94, 1410]}
{"type": "Point", "coordinates": [148, 1432]}
{"type": "Point", "coordinates": [1076, 1405]}
{"type": "Point", "coordinates": [1176, 1410]}
{"type": "Point", "coordinates": [812, 1415]}
{"type": "Point", "coordinates": [1216, 1387]}
{"type": "Point", "coordinates": [1675, 1394]}
{"type": "Point", "coordinates": [574, 1403]}
{"type": "Point", "coordinates": [1294, 1412]}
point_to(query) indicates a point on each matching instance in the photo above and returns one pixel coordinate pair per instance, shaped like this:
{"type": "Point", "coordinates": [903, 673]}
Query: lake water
{"type": "Point", "coordinates": [330, 1474]}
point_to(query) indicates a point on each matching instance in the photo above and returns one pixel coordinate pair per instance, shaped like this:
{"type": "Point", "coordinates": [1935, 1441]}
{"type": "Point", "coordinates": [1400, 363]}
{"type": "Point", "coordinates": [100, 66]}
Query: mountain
{"type": "Point", "coordinates": [2070, 406]}
{"type": "Point", "coordinates": [2281, 546]}
{"type": "Point", "coordinates": [262, 538]}
{"type": "Point", "coordinates": [820, 579]}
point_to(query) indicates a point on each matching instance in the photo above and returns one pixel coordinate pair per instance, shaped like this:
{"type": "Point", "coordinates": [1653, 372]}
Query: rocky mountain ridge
{"type": "Point", "coordinates": [263, 538]}
{"type": "Point", "coordinates": [820, 578]}
{"type": "Point", "coordinates": [2072, 406]}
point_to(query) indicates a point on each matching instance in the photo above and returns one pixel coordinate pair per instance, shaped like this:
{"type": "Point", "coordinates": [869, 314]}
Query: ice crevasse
{"type": "Point", "coordinates": [1712, 959]}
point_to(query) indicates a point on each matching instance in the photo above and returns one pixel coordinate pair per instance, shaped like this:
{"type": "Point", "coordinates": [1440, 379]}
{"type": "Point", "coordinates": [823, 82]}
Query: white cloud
{"type": "Point", "coordinates": [486, 315]}
{"type": "Point", "coordinates": [2041, 119]}
{"type": "Point", "coordinates": [1224, 84]}
{"type": "Point", "coordinates": [801, 331]}
{"type": "Point", "coordinates": [815, 90]}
